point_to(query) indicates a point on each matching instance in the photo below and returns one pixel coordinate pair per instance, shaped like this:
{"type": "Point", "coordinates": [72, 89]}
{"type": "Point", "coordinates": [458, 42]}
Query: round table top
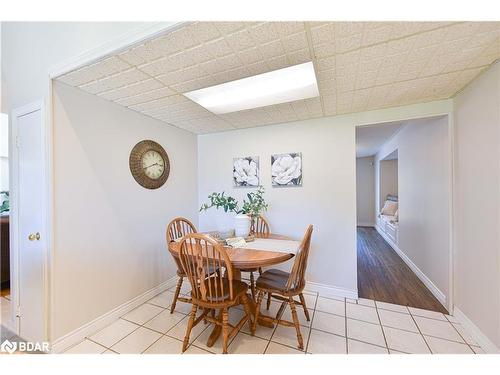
{"type": "Point", "coordinates": [248, 258]}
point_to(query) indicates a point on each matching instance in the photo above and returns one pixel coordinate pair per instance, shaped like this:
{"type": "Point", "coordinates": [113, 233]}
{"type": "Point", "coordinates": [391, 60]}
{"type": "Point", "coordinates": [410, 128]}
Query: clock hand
{"type": "Point", "coordinates": [152, 165]}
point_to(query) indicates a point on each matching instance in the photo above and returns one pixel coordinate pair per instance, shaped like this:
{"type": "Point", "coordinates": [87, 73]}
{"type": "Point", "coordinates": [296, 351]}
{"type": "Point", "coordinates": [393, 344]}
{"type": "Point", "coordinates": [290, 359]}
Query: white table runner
{"type": "Point", "coordinates": [282, 246]}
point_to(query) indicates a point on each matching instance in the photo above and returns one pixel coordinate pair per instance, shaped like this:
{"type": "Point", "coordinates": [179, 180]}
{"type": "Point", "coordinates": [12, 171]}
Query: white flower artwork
{"type": "Point", "coordinates": [286, 169]}
{"type": "Point", "coordinates": [246, 171]}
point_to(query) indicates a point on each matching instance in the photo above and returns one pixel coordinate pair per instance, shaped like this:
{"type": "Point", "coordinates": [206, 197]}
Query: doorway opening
{"type": "Point", "coordinates": [5, 269]}
{"type": "Point", "coordinates": [403, 226]}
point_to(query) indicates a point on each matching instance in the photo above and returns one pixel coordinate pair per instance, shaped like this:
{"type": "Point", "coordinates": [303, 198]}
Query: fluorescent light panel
{"type": "Point", "coordinates": [279, 86]}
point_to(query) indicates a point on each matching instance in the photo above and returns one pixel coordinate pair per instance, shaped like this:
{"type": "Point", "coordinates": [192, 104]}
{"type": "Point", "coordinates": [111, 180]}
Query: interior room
{"type": "Point", "coordinates": [269, 187]}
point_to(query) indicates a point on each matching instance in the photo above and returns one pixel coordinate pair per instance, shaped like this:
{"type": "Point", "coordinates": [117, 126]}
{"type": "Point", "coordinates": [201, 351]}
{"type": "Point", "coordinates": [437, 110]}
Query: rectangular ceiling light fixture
{"type": "Point", "coordinates": [275, 87]}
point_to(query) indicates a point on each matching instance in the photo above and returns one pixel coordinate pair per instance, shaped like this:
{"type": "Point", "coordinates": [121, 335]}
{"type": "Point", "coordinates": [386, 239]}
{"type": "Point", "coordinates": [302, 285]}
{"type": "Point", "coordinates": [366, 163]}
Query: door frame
{"type": "Point", "coordinates": [428, 110]}
{"type": "Point", "coordinates": [45, 231]}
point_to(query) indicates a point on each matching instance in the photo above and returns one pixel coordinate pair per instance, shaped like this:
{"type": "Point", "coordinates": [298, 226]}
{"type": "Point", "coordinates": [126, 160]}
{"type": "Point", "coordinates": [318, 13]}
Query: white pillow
{"type": "Point", "coordinates": [390, 208]}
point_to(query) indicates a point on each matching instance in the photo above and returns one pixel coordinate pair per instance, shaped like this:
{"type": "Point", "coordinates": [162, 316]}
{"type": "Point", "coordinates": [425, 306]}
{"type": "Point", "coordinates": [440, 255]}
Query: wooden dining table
{"type": "Point", "coordinates": [243, 258]}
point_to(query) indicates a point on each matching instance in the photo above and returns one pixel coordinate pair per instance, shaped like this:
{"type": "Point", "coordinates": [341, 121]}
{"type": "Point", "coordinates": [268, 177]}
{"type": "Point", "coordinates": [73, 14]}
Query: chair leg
{"type": "Point", "coordinates": [252, 285]}
{"type": "Point", "coordinates": [248, 311]}
{"type": "Point", "coordinates": [303, 302]}
{"type": "Point", "coordinates": [176, 295]}
{"type": "Point", "coordinates": [192, 316]}
{"type": "Point", "coordinates": [260, 295]}
{"type": "Point", "coordinates": [296, 323]}
{"type": "Point", "coordinates": [225, 330]}
{"type": "Point", "coordinates": [268, 301]}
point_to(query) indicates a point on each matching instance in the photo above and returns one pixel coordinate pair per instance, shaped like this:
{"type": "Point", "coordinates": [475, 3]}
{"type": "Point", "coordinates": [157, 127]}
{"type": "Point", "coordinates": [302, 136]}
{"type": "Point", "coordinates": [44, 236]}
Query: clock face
{"type": "Point", "coordinates": [149, 164]}
{"type": "Point", "coordinates": [153, 164]}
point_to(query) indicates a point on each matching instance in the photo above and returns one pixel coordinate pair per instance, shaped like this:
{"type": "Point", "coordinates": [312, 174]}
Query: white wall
{"type": "Point", "coordinates": [327, 198]}
{"type": "Point", "coordinates": [423, 190]}
{"type": "Point", "coordinates": [4, 152]}
{"type": "Point", "coordinates": [365, 191]}
{"type": "Point", "coordinates": [388, 181]}
{"type": "Point", "coordinates": [477, 201]}
{"type": "Point", "coordinates": [31, 49]}
{"type": "Point", "coordinates": [109, 244]}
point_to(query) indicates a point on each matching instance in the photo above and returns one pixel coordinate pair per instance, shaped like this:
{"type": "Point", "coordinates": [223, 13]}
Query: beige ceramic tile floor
{"type": "Point", "coordinates": [337, 326]}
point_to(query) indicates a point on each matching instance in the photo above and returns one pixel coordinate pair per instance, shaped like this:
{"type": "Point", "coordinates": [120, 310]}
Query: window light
{"type": "Point", "coordinates": [275, 87]}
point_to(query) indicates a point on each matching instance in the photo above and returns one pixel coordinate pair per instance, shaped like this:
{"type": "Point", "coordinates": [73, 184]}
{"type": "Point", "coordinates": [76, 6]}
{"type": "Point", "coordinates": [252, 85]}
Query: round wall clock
{"type": "Point", "coordinates": [149, 164]}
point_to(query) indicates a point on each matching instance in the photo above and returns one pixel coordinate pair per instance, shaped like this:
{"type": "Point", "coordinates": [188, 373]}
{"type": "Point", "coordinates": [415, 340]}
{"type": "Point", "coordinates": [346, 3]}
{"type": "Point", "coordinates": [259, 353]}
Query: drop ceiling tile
{"type": "Point", "coordinates": [299, 57]}
{"type": "Point", "coordinates": [195, 84]}
{"type": "Point", "coordinates": [264, 32]}
{"type": "Point", "coordinates": [197, 55]}
{"type": "Point", "coordinates": [272, 49]}
{"type": "Point", "coordinates": [240, 40]}
{"type": "Point", "coordinates": [158, 67]}
{"type": "Point", "coordinates": [277, 62]}
{"type": "Point", "coordinates": [204, 31]}
{"type": "Point", "coordinates": [230, 27]}
{"type": "Point", "coordinates": [257, 68]}
{"type": "Point", "coordinates": [130, 90]}
{"type": "Point", "coordinates": [295, 42]}
{"type": "Point", "coordinates": [325, 63]}
{"type": "Point", "coordinates": [250, 56]}
{"type": "Point", "coordinates": [219, 48]}
{"type": "Point", "coordinates": [142, 54]}
{"type": "Point", "coordinates": [289, 28]}
{"type": "Point", "coordinates": [160, 103]}
{"type": "Point", "coordinates": [179, 40]}
{"type": "Point", "coordinates": [95, 71]}
{"type": "Point", "coordinates": [146, 97]}
{"type": "Point", "coordinates": [115, 81]}
{"type": "Point", "coordinates": [231, 75]}
{"type": "Point", "coordinates": [322, 33]}
{"type": "Point", "coordinates": [324, 50]}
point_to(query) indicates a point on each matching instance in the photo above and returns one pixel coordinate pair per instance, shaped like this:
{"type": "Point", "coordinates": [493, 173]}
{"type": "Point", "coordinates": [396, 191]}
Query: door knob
{"type": "Point", "coordinates": [34, 236]}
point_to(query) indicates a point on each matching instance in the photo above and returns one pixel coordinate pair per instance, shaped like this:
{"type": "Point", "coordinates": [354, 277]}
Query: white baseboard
{"type": "Point", "coordinates": [74, 337]}
{"type": "Point", "coordinates": [365, 224]}
{"type": "Point", "coordinates": [331, 291]}
{"type": "Point", "coordinates": [484, 342]}
{"type": "Point", "coordinates": [428, 283]}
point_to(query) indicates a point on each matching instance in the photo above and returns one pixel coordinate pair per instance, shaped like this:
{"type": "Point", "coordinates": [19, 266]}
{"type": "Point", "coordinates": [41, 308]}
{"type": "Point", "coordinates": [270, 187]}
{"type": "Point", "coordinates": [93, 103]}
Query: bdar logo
{"type": "Point", "coordinates": [8, 347]}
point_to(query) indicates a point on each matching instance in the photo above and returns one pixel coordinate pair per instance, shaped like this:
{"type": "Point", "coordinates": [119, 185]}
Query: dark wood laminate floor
{"type": "Point", "coordinates": [383, 276]}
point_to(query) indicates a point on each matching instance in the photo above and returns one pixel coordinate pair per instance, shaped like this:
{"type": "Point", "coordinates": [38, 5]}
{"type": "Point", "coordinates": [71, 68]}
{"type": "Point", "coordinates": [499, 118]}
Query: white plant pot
{"type": "Point", "coordinates": [241, 225]}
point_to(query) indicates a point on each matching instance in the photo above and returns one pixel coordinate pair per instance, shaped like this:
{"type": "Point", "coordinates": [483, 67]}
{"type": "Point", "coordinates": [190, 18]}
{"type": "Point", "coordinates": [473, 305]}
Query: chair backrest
{"type": "Point", "coordinates": [296, 280]}
{"type": "Point", "coordinates": [177, 229]}
{"type": "Point", "coordinates": [200, 256]}
{"type": "Point", "coordinates": [261, 225]}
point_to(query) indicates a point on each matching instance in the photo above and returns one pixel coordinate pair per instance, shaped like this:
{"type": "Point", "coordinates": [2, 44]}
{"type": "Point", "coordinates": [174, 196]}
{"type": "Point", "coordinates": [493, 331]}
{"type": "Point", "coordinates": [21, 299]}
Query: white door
{"type": "Point", "coordinates": [28, 130]}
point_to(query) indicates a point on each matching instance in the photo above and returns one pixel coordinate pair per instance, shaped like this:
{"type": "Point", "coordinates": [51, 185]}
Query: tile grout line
{"type": "Point", "coordinates": [382, 328]}
{"type": "Point", "coordinates": [311, 323]}
{"type": "Point", "coordinates": [345, 327]}
{"type": "Point", "coordinates": [421, 334]}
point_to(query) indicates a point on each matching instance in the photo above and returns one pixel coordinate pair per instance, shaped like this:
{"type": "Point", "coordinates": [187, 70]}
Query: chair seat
{"type": "Point", "coordinates": [273, 280]}
{"type": "Point", "coordinates": [222, 295]}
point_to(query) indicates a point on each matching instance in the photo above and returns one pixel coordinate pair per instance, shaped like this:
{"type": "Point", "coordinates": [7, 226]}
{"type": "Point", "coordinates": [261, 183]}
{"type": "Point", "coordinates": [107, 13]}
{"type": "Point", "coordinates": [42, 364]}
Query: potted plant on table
{"type": "Point", "coordinates": [245, 217]}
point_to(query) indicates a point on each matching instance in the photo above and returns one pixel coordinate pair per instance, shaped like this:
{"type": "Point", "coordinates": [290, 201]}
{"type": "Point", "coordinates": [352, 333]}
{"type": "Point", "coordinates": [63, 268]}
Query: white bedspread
{"type": "Point", "coordinates": [282, 246]}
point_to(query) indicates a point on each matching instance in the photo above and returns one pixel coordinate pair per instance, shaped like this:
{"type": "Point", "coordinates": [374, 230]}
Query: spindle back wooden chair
{"type": "Point", "coordinates": [177, 229]}
{"type": "Point", "coordinates": [260, 227]}
{"type": "Point", "coordinates": [199, 253]}
{"type": "Point", "coordinates": [286, 285]}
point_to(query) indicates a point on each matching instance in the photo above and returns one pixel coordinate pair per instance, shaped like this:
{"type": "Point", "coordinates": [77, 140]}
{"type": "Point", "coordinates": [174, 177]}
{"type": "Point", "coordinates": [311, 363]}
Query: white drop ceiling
{"type": "Point", "coordinates": [359, 66]}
